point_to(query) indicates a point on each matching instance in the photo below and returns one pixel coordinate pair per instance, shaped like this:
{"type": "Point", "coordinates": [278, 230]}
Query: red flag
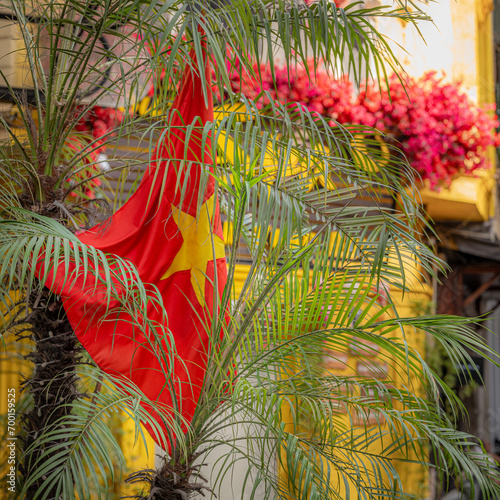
{"type": "Point", "coordinates": [173, 246]}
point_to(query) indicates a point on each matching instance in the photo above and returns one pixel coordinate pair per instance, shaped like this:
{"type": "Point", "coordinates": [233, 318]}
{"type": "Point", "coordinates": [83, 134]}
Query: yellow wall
{"type": "Point", "coordinates": [486, 77]}
{"type": "Point", "coordinates": [484, 52]}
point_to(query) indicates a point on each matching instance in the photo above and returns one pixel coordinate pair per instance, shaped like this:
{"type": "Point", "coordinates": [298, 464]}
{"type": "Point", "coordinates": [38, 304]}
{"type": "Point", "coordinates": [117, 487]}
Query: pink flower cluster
{"type": "Point", "coordinates": [441, 132]}
{"type": "Point", "coordinates": [319, 92]}
{"type": "Point", "coordinates": [96, 123]}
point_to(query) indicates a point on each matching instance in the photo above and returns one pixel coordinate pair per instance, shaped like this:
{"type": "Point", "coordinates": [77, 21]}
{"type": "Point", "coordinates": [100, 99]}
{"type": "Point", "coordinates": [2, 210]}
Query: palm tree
{"type": "Point", "coordinates": [318, 260]}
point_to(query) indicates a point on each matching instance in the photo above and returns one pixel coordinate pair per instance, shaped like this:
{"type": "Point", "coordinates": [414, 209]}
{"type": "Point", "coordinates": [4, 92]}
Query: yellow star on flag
{"type": "Point", "coordinates": [199, 247]}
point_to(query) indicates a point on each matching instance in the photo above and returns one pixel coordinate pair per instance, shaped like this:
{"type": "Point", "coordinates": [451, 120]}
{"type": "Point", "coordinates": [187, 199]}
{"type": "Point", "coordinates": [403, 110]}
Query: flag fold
{"type": "Point", "coordinates": [170, 230]}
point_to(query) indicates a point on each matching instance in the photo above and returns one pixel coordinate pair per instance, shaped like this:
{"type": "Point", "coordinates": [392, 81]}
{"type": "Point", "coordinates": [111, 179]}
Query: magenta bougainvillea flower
{"type": "Point", "coordinates": [311, 87]}
{"type": "Point", "coordinates": [95, 124]}
{"type": "Point", "coordinates": [439, 129]}
{"type": "Point", "coordinates": [435, 124]}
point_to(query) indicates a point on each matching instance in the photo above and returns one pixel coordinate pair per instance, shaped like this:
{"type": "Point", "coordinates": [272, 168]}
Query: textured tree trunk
{"type": "Point", "coordinates": [174, 480]}
{"type": "Point", "coordinates": [53, 383]}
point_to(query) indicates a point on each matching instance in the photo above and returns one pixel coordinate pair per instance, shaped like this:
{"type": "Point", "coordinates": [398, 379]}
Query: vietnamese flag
{"type": "Point", "coordinates": [175, 245]}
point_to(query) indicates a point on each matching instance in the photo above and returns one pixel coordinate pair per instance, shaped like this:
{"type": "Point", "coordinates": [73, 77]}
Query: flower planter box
{"type": "Point", "coordinates": [469, 198]}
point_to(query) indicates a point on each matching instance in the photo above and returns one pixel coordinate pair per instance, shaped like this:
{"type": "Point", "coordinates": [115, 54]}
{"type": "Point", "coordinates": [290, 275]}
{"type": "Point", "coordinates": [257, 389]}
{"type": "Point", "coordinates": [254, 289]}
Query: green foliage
{"type": "Point", "coordinates": [299, 294]}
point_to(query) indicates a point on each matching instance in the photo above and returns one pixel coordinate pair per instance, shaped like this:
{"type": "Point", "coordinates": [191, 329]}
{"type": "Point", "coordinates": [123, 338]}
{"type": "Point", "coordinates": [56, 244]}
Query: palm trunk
{"type": "Point", "coordinates": [53, 383]}
{"type": "Point", "coordinates": [174, 480]}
